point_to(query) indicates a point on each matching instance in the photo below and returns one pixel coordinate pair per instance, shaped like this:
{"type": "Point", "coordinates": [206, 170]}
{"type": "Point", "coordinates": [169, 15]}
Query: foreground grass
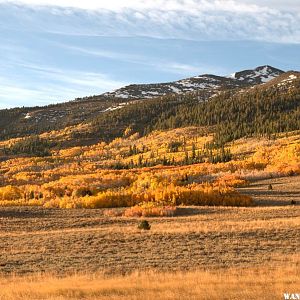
{"type": "Point", "coordinates": [263, 283]}
{"type": "Point", "coordinates": [56, 241]}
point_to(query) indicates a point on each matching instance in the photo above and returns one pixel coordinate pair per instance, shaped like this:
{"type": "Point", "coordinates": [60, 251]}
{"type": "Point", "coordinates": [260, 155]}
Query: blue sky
{"type": "Point", "coordinates": [53, 51]}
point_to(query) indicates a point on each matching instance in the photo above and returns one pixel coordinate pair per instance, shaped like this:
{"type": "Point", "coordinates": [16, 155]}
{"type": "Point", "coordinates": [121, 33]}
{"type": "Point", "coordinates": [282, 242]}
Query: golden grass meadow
{"type": "Point", "coordinates": [227, 230]}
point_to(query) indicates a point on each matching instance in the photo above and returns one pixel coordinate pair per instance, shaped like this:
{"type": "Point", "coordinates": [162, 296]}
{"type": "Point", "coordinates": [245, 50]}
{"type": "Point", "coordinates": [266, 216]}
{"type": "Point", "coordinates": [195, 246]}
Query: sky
{"type": "Point", "coordinates": [57, 50]}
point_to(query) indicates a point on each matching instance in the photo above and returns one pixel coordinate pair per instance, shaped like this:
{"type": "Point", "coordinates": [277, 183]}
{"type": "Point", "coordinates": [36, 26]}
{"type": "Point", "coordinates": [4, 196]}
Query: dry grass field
{"type": "Point", "coordinates": [284, 190]}
{"type": "Point", "coordinates": [214, 245]}
{"type": "Point", "coordinates": [263, 283]}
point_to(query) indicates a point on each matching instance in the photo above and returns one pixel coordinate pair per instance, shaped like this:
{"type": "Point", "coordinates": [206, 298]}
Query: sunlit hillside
{"type": "Point", "coordinates": [165, 168]}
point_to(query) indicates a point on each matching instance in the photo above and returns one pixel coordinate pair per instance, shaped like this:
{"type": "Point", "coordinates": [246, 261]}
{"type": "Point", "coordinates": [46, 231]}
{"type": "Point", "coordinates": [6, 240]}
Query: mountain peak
{"type": "Point", "coordinates": [261, 74]}
{"type": "Point", "coordinates": [207, 83]}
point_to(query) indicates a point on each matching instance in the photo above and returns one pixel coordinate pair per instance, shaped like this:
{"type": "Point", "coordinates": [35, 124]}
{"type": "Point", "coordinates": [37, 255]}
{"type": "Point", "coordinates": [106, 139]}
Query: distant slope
{"type": "Point", "coordinates": [108, 116]}
{"type": "Point", "coordinates": [260, 111]}
{"type": "Point", "coordinates": [18, 122]}
{"type": "Point", "coordinates": [209, 83]}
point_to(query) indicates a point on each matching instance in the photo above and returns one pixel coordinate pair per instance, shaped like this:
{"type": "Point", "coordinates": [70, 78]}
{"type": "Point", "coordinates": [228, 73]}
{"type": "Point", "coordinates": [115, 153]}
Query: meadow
{"type": "Point", "coordinates": [267, 282]}
{"type": "Point", "coordinates": [203, 252]}
{"type": "Point", "coordinates": [220, 228]}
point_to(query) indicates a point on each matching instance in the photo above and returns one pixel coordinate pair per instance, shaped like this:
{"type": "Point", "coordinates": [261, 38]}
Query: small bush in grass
{"type": "Point", "coordinates": [270, 187]}
{"type": "Point", "coordinates": [293, 202]}
{"type": "Point", "coordinates": [144, 225]}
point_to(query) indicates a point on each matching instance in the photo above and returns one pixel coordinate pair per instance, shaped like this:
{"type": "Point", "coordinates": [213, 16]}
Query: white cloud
{"type": "Point", "coordinates": [155, 62]}
{"type": "Point", "coordinates": [182, 19]}
{"type": "Point", "coordinates": [12, 95]}
{"type": "Point", "coordinates": [117, 5]}
{"type": "Point", "coordinates": [166, 5]}
{"type": "Point", "coordinates": [287, 5]}
{"type": "Point", "coordinates": [182, 68]}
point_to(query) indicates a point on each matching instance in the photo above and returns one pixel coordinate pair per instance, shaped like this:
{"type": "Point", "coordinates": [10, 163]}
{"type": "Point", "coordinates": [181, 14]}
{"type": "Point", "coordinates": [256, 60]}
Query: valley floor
{"type": "Point", "coordinates": [221, 240]}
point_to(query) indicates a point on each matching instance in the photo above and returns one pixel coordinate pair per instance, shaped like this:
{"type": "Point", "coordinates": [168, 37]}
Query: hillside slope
{"type": "Point", "coordinates": [20, 122]}
{"type": "Point", "coordinates": [263, 110]}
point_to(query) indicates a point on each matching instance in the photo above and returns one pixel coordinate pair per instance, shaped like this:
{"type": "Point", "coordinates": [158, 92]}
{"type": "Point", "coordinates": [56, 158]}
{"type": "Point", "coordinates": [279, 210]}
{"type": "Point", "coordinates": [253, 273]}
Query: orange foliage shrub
{"type": "Point", "coordinates": [150, 209]}
{"type": "Point", "coordinates": [231, 180]}
{"type": "Point", "coordinates": [194, 194]}
{"type": "Point", "coordinates": [10, 193]}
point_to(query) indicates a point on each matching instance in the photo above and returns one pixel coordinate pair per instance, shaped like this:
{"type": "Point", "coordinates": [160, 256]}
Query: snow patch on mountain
{"type": "Point", "coordinates": [206, 83]}
{"type": "Point", "coordinates": [232, 75]}
{"type": "Point", "coordinates": [259, 75]}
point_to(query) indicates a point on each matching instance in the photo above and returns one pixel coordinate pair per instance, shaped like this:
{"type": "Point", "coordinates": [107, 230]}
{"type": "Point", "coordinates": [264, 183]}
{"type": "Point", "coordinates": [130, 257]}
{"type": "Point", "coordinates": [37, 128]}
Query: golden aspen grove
{"type": "Point", "coordinates": [82, 177]}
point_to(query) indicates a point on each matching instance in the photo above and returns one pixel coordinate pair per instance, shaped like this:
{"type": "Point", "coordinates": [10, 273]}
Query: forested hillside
{"type": "Point", "coordinates": [157, 153]}
{"type": "Point", "coordinates": [107, 116]}
{"type": "Point", "coordinates": [261, 111]}
{"type": "Point", "coordinates": [24, 121]}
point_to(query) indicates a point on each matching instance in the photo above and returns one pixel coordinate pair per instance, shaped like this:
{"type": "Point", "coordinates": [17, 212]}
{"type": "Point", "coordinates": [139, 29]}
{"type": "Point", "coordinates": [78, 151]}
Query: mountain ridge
{"type": "Point", "coordinates": [206, 82]}
{"type": "Point", "coordinates": [103, 111]}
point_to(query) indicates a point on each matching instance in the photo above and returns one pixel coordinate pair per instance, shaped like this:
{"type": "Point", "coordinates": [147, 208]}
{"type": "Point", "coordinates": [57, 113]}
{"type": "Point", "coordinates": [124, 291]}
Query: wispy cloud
{"type": "Point", "coordinates": [184, 19]}
{"type": "Point", "coordinates": [135, 58]}
{"type": "Point", "coordinates": [120, 55]}
{"type": "Point", "coordinates": [58, 86]}
{"type": "Point", "coordinates": [78, 78]}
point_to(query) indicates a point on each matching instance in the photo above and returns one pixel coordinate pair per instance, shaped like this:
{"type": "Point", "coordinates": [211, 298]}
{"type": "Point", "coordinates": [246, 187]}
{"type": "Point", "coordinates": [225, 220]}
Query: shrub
{"type": "Point", "coordinates": [144, 225]}
{"type": "Point", "coordinates": [10, 193]}
{"type": "Point", "coordinates": [231, 180]}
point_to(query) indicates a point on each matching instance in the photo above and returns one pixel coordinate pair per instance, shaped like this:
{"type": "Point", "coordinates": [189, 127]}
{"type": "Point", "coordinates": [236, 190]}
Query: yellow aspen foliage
{"type": "Point", "coordinates": [154, 171]}
{"type": "Point", "coordinates": [10, 193]}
